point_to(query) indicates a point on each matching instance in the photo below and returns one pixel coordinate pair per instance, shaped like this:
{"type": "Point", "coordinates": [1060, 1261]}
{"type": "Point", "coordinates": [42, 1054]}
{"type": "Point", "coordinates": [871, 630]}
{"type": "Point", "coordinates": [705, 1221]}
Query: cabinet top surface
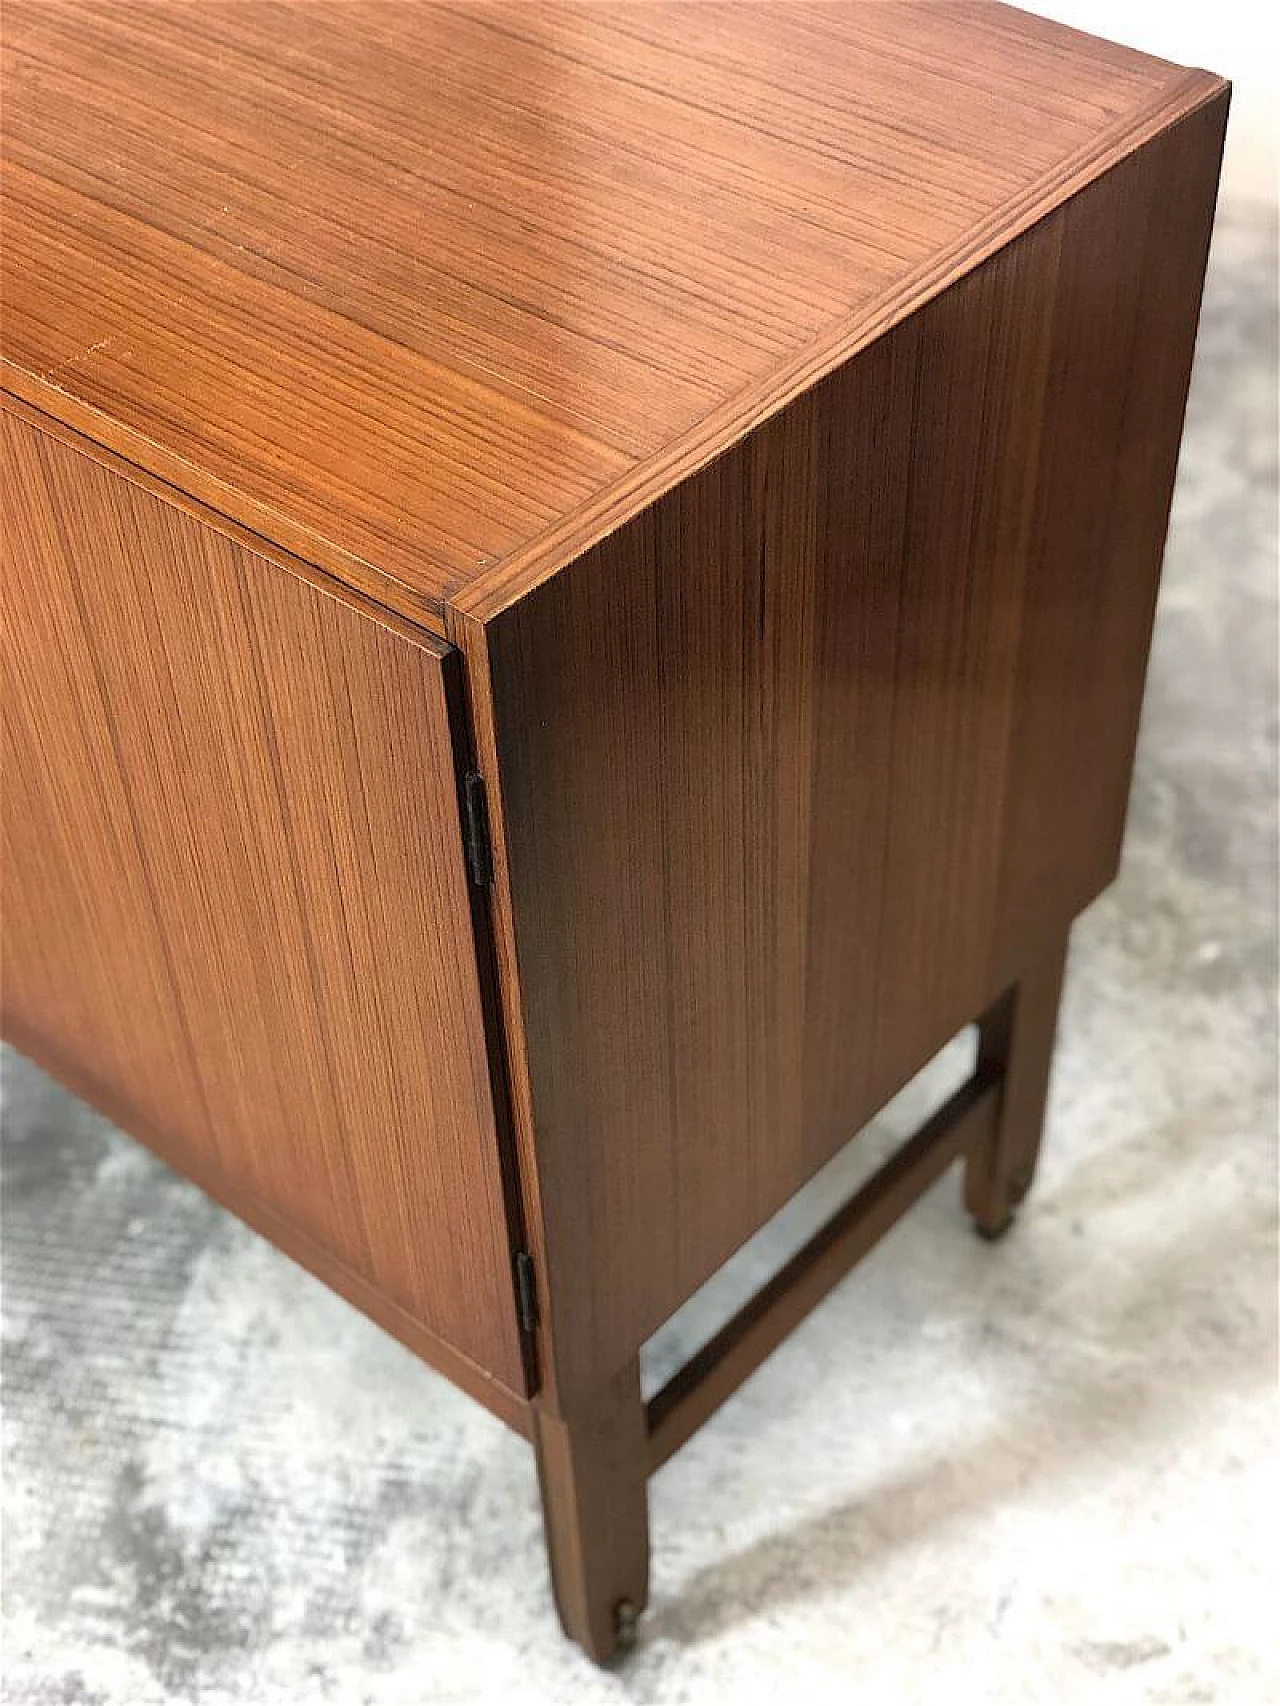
{"type": "Point", "coordinates": [435, 296]}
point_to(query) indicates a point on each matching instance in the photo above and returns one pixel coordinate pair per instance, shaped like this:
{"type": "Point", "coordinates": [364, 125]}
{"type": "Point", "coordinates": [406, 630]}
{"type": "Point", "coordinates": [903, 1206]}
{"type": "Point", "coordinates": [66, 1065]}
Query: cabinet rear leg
{"type": "Point", "coordinates": [592, 1470]}
{"type": "Point", "coordinates": [1015, 1038]}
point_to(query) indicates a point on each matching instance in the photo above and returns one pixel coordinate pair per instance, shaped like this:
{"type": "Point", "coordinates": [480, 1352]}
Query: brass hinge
{"type": "Point", "coordinates": [475, 814]}
{"type": "Point", "coordinates": [526, 1292]}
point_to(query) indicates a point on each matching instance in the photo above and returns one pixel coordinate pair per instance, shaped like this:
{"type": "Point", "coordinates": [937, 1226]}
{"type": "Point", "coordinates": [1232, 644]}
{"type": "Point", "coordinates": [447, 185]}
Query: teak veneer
{"type": "Point", "coordinates": [579, 582]}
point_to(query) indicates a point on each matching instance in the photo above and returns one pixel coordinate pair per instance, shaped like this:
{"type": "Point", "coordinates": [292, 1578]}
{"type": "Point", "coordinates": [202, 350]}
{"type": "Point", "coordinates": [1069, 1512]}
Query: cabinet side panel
{"type": "Point", "coordinates": [235, 904]}
{"type": "Point", "coordinates": [1126, 312]}
{"type": "Point", "coordinates": [799, 769]}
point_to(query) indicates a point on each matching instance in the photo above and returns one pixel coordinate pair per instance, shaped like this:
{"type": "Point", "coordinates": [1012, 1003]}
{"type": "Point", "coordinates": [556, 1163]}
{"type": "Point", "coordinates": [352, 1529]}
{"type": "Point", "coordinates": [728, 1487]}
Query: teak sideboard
{"type": "Point", "coordinates": [578, 585]}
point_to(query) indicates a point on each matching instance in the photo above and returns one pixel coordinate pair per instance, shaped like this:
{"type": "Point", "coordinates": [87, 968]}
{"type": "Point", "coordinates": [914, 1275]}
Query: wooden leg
{"type": "Point", "coordinates": [1015, 1038]}
{"type": "Point", "coordinates": [592, 1468]}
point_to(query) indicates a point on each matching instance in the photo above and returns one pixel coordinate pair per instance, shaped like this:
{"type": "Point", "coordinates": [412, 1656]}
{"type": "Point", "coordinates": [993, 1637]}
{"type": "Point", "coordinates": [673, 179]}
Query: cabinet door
{"type": "Point", "coordinates": [236, 911]}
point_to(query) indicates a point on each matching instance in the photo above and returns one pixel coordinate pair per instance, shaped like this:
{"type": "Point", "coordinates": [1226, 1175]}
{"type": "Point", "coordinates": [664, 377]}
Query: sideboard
{"type": "Point", "coordinates": [579, 580]}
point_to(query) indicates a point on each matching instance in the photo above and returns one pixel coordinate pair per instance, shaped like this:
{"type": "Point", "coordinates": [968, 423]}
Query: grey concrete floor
{"type": "Point", "coordinates": [1039, 1472]}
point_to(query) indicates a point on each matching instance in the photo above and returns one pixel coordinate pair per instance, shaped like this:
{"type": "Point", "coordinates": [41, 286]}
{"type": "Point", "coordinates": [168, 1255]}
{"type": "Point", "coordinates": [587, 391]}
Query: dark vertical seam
{"type": "Point", "coordinates": [460, 736]}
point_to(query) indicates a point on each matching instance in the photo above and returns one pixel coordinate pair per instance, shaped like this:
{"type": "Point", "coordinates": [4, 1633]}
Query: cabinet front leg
{"type": "Point", "coordinates": [592, 1470]}
{"type": "Point", "coordinates": [1015, 1039]}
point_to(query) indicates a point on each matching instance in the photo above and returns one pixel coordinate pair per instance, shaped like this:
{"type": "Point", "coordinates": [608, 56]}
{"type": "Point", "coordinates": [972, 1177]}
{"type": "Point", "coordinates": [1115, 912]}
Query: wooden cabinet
{"type": "Point", "coordinates": [566, 631]}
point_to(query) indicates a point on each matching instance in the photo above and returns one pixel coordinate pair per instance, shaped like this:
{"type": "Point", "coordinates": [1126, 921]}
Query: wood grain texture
{"type": "Point", "coordinates": [801, 768]}
{"type": "Point", "coordinates": [436, 296]}
{"type": "Point", "coordinates": [235, 908]}
{"type": "Point", "coordinates": [284, 1232]}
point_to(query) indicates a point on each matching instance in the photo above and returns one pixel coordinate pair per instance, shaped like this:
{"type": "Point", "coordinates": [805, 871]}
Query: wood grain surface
{"type": "Point", "coordinates": [800, 769]}
{"type": "Point", "coordinates": [235, 907]}
{"type": "Point", "coordinates": [436, 296]}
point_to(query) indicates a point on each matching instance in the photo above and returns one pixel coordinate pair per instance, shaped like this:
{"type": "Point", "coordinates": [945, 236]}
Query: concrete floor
{"type": "Point", "coordinates": [1036, 1472]}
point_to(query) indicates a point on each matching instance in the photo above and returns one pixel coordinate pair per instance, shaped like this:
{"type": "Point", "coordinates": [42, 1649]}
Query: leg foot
{"type": "Point", "coordinates": [993, 1234]}
{"type": "Point", "coordinates": [626, 1624]}
{"type": "Point", "coordinates": [1015, 1038]}
{"type": "Point", "coordinates": [592, 1469]}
